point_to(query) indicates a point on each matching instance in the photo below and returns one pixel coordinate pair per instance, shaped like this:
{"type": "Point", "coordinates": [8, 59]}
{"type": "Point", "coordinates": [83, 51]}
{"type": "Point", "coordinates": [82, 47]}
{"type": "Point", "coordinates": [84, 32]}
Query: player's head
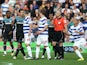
{"type": "Point", "coordinates": [21, 12]}
{"type": "Point", "coordinates": [26, 13]}
{"type": "Point", "coordinates": [6, 1]}
{"type": "Point", "coordinates": [8, 14]}
{"type": "Point", "coordinates": [76, 20]}
{"type": "Point", "coordinates": [42, 12]}
{"type": "Point", "coordinates": [51, 16]}
{"type": "Point", "coordinates": [58, 14]}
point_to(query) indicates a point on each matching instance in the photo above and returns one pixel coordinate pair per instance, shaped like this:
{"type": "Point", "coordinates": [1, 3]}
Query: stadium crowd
{"type": "Point", "coordinates": [18, 9]}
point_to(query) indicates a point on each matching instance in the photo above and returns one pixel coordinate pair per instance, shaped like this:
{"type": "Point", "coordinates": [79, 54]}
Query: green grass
{"type": "Point", "coordinates": [70, 59]}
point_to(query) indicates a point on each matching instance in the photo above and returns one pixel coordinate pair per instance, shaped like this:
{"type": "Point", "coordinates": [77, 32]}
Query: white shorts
{"type": "Point", "coordinates": [42, 39]}
{"type": "Point", "coordinates": [27, 38]}
{"type": "Point", "coordinates": [80, 43]}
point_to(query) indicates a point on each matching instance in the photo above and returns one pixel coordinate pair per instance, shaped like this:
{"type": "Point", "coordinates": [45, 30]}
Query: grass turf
{"type": "Point", "coordinates": [70, 59]}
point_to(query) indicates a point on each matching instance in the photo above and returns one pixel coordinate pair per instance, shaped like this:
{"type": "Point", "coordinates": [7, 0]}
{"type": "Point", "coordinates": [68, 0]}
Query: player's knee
{"type": "Point", "coordinates": [60, 44]}
{"type": "Point", "coordinates": [75, 47]}
{"type": "Point", "coordinates": [4, 42]}
{"type": "Point", "coordinates": [27, 45]}
{"type": "Point", "coordinates": [45, 47]}
{"type": "Point", "coordinates": [38, 45]}
{"type": "Point", "coordinates": [10, 43]}
{"type": "Point", "coordinates": [53, 43]}
{"type": "Point", "coordinates": [19, 45]}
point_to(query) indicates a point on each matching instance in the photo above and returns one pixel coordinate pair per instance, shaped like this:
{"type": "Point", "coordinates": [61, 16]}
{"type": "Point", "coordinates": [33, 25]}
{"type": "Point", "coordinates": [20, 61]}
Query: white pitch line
{"type": "Point", "coordinates": [5, 63]}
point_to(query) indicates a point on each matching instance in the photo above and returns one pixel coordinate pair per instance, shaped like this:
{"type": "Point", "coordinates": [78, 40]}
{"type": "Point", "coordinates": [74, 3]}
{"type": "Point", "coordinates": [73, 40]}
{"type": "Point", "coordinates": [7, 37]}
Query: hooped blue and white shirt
{"type": "Point", "coordinates": [26, 23]}
{"type": "Point", "coordinates": [42, 23]}
{"type": "Point", "coordinates": [75, 35]}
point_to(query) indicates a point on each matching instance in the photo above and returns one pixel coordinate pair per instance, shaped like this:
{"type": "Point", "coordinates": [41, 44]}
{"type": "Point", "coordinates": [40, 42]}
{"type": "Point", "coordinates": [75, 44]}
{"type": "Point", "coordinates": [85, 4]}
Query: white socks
{"type": "Point", "coordinates": [78, 53]}
{"type": "Point", "coordinates": [48, 52]}
{"type": "Point", "coordinates": [5, 52]}
{"type": "Point", "coordinates": [29, 51]}
{"type": "Point", "coordinates": [37, 52]}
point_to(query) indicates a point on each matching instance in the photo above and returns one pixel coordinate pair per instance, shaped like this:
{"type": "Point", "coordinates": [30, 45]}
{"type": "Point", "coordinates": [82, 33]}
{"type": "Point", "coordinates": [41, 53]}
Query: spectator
{"type": "Point", "coordinates": [43, 5]}
{"type": "Point", "coordinates": [12, 2]}
{"type": "Point", "coordinates": [35, 6]}
{"type": "Point", "coordinates": [25, 8]}
{"type": "Point", "coordinates": [66, 9]}
{"type": "Point", "coordinates": [83, 8]}
{"type": "Point", "coordinates": [66, 2]}
{"type": "Point", "coordinates": [31, 10]}
{"type": "Point", "coordinates": [49, 9]}
{"type": "Point", "coordinates": [75, 9]}
{"type": "Point", "coordinates": [61, 1]}
{"type": "Point", "coordinates": [37, 14]}
{"type": "Point", "coordinates": [71, 4]}
{"type": "Point", "coordinates": [11, 9]}
{"type": "Point", "coordinates": [4, 7]}
{"type": "Point", "coordinates": [57, 7]}
{"type": "Point", "coordinates": [77, 3]}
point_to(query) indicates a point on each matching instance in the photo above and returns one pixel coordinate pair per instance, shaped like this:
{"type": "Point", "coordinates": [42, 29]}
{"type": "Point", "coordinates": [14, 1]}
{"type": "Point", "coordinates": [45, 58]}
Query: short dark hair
{"type": "Point", "coordinates": [43, 11]}
{"type": "Point", "coordinates": [20, 10]}
{"type": "Point", "coordinates": [8, 12]}
{"type": "Point", "coordinates": [26, 12]}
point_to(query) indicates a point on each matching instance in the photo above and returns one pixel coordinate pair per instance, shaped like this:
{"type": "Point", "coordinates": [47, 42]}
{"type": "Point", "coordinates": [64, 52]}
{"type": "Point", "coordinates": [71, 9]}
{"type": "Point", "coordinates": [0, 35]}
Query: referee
{"type": "Point", "coordinates": [60, 26]}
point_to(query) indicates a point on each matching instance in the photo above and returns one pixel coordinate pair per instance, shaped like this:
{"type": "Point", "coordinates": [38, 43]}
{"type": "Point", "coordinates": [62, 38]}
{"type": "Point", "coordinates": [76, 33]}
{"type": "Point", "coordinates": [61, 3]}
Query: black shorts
{"type": "Point", "coordinates": [19, 33]}
{"type": "Point", "coordinates": [7, 37]}
{"type": "Point", "coordinates": [19, 36]}
{"type": "Point", "coordinates": [58, 36]}
{"type": "Point", "coordinates": [50, 34]}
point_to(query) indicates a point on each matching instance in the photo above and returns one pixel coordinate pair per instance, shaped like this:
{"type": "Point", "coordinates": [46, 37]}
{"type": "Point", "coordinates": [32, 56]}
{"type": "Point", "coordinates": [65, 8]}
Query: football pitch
{"type": "Point", "coordinates": [70, 59]}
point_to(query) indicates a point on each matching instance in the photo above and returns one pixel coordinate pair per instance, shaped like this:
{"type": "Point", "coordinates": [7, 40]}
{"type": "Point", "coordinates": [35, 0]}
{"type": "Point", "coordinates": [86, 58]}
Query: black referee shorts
{"type": "Point", "coordinates": [58, 36]}
{"type": "Point", "coordinates": [50, 34]}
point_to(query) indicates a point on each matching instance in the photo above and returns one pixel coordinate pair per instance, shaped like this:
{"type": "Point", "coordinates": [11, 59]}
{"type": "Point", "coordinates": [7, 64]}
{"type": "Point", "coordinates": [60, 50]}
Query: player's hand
{"type": "Point", "coordinates": [76, 32]}
{"type": "Point", "coordinates": [0, 39]}
{"type": "Point", "coordinates": [10, 33]}
{"type": "Point", "coordinates": [13, 18]}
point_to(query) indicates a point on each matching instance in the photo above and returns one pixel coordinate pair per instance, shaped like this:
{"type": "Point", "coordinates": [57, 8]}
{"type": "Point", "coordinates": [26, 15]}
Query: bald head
{"type": "Point", "coordinates": [58, 14]}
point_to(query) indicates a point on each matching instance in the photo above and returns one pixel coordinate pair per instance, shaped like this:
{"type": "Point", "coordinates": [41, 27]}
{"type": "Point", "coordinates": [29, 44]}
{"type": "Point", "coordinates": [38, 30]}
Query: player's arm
{"type": "Point", "coordinates": [31, 26]}
{"type": "Point", "coordinates": [30, 30]}
{"type": "Point", "coordinates": [13, 25]}
{"type": "Point", "coordinates": [4, 26]}
{"type": "Point", "coordinates": [1, 8]}
{"type": "Point", "coordinates": [45, 27]}
{"type": "Point", "coordinates": [65, 25]}
{"type": "Point", "coordinates": [53, 21]}
{"type": "Point", "coordinates": [68, 32]}
{"type": "Point", "coordinates": [81, 33]}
